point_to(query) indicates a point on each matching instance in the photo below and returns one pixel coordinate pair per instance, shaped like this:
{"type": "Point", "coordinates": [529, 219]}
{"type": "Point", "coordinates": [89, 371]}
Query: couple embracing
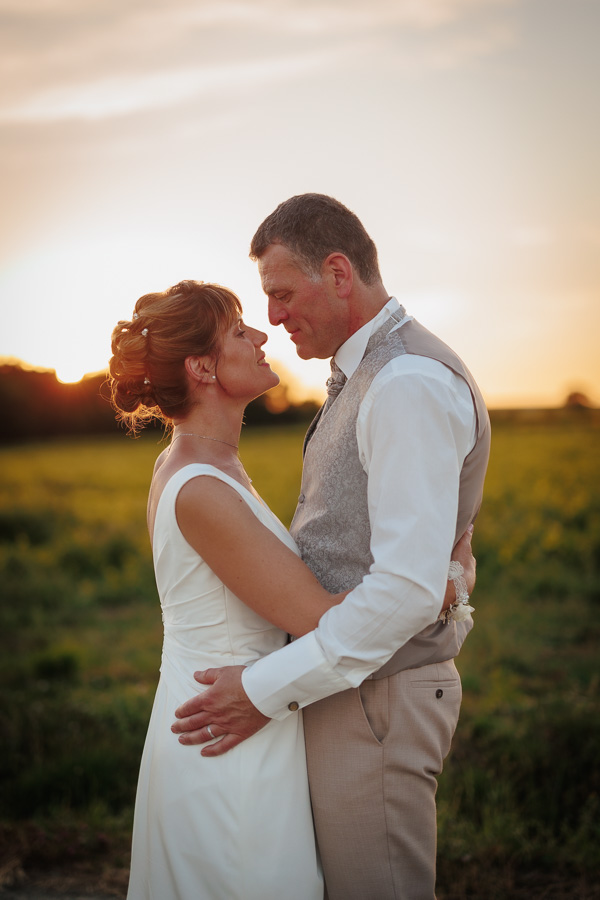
{"type": "Point", "coordinates": [363, 703]}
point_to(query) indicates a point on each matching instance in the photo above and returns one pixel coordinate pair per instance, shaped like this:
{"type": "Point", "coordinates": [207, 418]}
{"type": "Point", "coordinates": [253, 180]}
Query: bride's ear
{"type": "Point", "coordinates": [201, 369]}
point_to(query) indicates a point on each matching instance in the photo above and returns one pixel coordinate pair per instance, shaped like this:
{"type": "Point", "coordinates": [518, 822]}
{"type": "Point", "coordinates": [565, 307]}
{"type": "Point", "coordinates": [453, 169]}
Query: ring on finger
{"type": "Point", "coordinates": [210, 731]}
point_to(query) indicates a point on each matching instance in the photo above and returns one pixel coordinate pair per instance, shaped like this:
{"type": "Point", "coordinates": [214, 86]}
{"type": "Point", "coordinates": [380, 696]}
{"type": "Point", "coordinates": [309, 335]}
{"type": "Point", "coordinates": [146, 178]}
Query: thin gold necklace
{"type": "Point", "coordinates": [204, 437]}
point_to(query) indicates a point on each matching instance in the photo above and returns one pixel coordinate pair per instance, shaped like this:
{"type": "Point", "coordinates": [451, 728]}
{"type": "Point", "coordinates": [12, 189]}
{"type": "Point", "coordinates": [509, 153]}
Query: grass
{"type": "Point", "coordinates": [80, 636]}
{"type": "Point", "coordinates": [521, 789]}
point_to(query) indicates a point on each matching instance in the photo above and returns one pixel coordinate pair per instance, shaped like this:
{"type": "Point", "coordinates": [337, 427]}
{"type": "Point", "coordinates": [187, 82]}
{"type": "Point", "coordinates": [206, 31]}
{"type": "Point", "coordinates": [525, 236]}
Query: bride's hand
{"type": "Point", "coordinates": [462, 554]}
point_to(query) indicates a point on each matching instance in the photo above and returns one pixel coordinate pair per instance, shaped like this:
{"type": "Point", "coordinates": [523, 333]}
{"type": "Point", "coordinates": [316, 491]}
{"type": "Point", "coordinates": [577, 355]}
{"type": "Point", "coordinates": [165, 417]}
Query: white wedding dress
{"type": "Point", "coordinates": [237, 827]}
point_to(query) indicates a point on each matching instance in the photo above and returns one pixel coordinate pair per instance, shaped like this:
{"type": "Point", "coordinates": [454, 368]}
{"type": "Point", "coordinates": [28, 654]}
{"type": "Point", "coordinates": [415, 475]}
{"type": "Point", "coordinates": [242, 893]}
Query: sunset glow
{"type": "Point", "coordinates": [143, 143]}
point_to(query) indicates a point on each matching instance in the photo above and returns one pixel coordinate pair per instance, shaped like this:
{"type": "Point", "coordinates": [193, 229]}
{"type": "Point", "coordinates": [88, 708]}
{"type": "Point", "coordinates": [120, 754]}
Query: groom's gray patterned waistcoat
{"type": "Point", "coordinates": [331, 524]}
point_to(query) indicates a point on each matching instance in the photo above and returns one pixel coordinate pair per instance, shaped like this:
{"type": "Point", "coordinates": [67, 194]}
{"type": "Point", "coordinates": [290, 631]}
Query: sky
{"type": "Point", "coordinates": [143, 141]}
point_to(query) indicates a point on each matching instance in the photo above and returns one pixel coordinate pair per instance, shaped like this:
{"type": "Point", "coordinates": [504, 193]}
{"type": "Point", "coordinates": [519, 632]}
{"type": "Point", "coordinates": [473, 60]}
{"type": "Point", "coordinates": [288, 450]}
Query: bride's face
{"type": "Point", "coordinates": [242, 370]}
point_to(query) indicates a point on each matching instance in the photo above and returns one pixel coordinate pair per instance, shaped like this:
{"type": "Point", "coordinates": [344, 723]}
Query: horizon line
{"type": "Point", "coordinates": [523, 405]}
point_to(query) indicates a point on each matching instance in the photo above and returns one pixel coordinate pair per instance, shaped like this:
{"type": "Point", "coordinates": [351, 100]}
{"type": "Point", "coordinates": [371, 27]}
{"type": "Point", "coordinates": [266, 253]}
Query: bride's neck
{"type": "Point", "coordinates": [218, 429]}
{"type": "Point", "coordinates": [214, 441]}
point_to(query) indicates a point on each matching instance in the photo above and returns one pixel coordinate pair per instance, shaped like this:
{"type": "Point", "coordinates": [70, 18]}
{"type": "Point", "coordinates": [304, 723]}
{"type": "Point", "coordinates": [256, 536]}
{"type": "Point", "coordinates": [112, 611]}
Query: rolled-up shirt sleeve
{"type": "Point", "coordinates": [415, 427]}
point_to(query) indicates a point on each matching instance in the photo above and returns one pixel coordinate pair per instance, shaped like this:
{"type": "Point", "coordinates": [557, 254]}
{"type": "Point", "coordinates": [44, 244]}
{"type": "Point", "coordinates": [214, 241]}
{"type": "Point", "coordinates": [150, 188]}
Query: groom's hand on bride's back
{"type": "Point", "coordinates": [223, 711]}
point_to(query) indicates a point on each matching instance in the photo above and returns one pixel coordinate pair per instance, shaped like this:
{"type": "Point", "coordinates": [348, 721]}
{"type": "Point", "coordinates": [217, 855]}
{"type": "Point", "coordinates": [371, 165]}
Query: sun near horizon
{"type": "Point", "coordinates": [459, 132]}
{"type": "Point", "coordinates": [297, 392]}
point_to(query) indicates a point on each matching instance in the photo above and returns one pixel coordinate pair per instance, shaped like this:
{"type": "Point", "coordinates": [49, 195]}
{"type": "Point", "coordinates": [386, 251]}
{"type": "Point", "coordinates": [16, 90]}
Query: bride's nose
{"type": "Point", "coordinates": [260, 337]}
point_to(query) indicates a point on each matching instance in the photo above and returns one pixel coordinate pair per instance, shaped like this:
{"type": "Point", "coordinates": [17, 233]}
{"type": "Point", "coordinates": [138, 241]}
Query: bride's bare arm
{"type": "Point", "coordinates": [248, 558]}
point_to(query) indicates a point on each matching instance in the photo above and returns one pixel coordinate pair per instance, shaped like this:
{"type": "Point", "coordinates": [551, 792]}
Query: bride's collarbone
{"type": "Point", "coordinates": [238, 473]}
{"type": "Point", "coordinates": [233, 468]}
{"type": "Point", "coordinates": [178, 460]}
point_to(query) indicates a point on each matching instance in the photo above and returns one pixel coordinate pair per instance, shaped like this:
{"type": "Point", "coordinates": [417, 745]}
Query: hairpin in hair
{"type": "Point", "coordinates": [135, 316]}
{"type": "Point", "coordinates": [147, 380]}
{"type": "Point", "coordinates": [145, 332]}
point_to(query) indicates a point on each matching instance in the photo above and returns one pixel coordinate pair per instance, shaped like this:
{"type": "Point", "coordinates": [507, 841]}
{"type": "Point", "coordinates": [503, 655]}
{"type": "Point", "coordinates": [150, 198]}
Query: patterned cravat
{"type": "Point", "coordinates": [334, 384]}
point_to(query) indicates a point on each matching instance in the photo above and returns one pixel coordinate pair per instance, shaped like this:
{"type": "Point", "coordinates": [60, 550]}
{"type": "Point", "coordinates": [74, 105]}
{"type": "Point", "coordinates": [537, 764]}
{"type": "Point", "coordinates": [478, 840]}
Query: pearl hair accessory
{"type": "Point", "coordinates": [145, 332]}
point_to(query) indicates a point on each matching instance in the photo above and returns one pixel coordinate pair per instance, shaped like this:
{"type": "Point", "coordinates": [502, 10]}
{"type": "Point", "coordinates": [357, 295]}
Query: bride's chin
{"type": "Point", "coordinates": [274, 380]}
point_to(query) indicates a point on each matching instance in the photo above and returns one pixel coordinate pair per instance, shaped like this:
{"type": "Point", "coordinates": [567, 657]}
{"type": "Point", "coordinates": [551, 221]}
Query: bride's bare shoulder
{"type": "Point", "coordinates": [160, 475]}
{"type": "Point", "coordinates": [160, 461]}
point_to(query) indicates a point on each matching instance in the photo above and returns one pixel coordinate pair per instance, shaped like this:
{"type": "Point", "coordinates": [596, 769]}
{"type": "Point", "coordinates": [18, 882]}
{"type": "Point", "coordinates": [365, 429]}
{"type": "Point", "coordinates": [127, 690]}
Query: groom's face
{"type": "Point", "coordinates": [309, 309]}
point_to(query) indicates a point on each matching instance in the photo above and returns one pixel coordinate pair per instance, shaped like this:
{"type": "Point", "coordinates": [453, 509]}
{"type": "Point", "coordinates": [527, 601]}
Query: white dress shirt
{"type": "Point", "coordinates": [415, 427]}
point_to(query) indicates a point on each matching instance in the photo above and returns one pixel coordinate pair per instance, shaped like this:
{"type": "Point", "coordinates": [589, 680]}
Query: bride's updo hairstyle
{"type": "Point", "coordinates": [147, 368]}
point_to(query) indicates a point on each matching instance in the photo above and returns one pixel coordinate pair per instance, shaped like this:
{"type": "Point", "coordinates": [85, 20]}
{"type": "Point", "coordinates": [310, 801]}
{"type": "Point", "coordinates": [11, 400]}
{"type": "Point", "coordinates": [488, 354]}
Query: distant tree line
{"type": "Point", "coordinates": [34, 404]}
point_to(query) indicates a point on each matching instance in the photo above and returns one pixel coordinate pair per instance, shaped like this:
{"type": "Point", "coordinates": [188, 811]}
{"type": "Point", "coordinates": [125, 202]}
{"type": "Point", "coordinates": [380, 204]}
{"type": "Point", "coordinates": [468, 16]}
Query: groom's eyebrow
{"type": "Point", "coordinates": [269, 283]}
{"type": "Point", "coordinates": [271, 289]}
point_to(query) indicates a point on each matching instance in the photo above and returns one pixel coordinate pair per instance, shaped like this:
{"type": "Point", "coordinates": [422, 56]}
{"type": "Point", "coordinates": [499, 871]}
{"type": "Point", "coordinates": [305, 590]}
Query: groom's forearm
{"type": "Point", "coordinates": [290, 678]}
{"type": "Point", "coordinates": [319, 664]}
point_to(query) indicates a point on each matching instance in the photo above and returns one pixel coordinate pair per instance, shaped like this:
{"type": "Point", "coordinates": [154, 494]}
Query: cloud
{"type": "Point", "coordinates": [47, 42]}
{"type": "Point", "coordinates": [427, 12]}
{"type": "Point", "coordinates": [63, 60]}
{"type": "Point", "coordinates": [122, 95]}
{"type": "Point", "coordinates": [311, 16]}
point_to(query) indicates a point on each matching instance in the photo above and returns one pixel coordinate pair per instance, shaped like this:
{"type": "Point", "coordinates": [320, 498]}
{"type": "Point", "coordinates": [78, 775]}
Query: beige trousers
{"type": "Point", "coordinates": [373, 757]}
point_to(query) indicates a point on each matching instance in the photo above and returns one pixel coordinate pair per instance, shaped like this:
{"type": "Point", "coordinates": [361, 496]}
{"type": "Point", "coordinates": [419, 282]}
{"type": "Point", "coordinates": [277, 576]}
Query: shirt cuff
{"type": "Point", "coordinates": [291, 678]}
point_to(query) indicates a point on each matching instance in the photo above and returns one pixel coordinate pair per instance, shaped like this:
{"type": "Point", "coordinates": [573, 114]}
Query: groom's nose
{"type": "Point", "coordinates": [277, 312]}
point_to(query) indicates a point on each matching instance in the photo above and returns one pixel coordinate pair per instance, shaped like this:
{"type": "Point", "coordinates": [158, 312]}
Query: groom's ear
{"type": "Point", "coordinates": [200, 369]}
{"type": "Point", "coordinates": [338, 269]}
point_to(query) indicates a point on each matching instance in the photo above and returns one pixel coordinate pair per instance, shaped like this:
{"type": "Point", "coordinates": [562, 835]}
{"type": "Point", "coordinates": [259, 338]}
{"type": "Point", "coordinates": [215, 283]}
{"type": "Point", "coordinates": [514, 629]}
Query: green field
{"type": "Point", "coordinates": [80, 635]}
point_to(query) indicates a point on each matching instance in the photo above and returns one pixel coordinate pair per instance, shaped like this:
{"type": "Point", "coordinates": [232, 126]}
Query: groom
{"type": "Point", "coordinates": [393, 475]}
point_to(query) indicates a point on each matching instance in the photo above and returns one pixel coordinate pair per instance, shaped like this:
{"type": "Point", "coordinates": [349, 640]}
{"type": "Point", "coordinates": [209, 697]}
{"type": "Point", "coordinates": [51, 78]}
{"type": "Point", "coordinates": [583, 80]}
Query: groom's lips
{"type": "Point", "coordinates": [293, 333]}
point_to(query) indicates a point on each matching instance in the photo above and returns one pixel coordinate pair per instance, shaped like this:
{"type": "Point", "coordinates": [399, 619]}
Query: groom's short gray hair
{"type": "Point", "coordinates": [312, 226]}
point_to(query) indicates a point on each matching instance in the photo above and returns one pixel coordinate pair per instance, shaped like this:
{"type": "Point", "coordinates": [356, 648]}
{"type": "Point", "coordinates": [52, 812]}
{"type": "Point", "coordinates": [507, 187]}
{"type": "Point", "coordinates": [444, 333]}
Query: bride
{"type": "Point", "coordinates": [231, 587]}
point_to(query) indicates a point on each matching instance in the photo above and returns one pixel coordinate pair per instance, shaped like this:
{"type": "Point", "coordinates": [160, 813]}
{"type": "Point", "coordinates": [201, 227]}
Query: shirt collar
{"type": "Point", "coordinates": [351, 352]}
